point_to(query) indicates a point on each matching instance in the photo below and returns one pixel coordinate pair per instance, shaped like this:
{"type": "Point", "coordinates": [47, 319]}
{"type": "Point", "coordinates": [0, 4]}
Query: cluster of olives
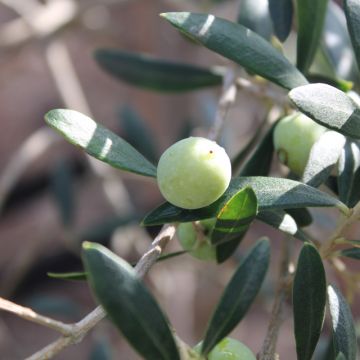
{"type": "Point", "coordinates": [195, 172]}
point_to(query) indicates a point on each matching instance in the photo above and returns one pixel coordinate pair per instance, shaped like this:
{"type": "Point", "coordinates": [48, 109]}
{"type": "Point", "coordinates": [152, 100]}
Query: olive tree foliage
{"type": "Point", "coordinates": [315, 85]}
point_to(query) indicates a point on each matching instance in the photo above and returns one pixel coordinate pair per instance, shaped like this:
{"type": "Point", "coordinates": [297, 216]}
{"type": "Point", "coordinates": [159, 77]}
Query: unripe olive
{"type": "Point", "coordinates": [229, 349]}
{"type": "Point", "coordinates": [195, 238]}
{"type": "Point", "coordinates": [294, 136]}
{"type": "Point", "coordinates": [193, 173]}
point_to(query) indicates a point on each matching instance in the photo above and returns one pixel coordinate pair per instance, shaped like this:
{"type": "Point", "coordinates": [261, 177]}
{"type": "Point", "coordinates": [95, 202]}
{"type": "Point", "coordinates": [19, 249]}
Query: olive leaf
{"type": "Point", "coordinates": [148, 72]}
{"type": "Point", "coordinates": [310, 19]}
{"type": "Point", "coordinates": [128, 303]}
{"type": "Point", "coordinates": [232, 222]}
{"type": "Point", "coordinates": [349, 173]}
{"type": "Point", "coordinates": [281, 12]}
{"type": "Point", "coordinates": [98, 141]}
{"type": "Point", "coordinates": [271, 193]}
{"type": "Point", "coordinates": [238, 295]}
{"type": "Point", "coordinates": [240, 45]}
{"type": "Point", "coordinates": [344, 336]}
{"type": "Point", "coordinates": [309, 299]}
{"type": "Point", "coordinates": [329, 107]}
{"type": "Point", "coordinates": [323, 156]}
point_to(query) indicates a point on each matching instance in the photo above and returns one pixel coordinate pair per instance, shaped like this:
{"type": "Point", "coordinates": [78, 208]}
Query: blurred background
{"type": "Point", "coordinates": [53, 197]}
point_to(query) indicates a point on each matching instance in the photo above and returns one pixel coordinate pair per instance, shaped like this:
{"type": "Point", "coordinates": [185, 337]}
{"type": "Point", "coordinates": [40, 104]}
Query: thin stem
{"type": "Point", "coordinates": [327, 247]}
{"type": "Point", "coordinates": [227, 99]}
{"type": "Point", "coordinates": [29, 314]}
{"type": "Point", "coordinates": [269, 346]}
{"type": "Point", "coordinates": [78, 330]}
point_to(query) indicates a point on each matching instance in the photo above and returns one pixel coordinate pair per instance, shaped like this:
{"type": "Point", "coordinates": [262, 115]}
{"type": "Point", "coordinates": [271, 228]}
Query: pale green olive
{"type": "Point", "coordinates": [195, 238]}
{"type": "Point", "coordinates": [229, 349]}
{"type": "Point", "coordinates": [294, 136]}
{"type": "Point", "coordinates": [193, 173]}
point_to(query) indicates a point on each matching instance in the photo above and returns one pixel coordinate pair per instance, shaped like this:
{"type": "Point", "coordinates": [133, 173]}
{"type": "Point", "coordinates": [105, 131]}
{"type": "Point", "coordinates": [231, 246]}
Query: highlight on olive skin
{"type": "Point", "coordinates": [193, 173]}
{"type": "Point", "coordinates": [293, 137]}
{"type": "Point", "coordinates": [195, 238]}
{"type": "Point", "coordinates": [228, 349]}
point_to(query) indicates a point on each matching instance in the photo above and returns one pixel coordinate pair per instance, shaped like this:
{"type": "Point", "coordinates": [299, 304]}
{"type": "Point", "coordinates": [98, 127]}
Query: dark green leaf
{"type": "Point", "coordinates": [323, 156]}
{"type": "Point", "coordinates": [259, 163]}
{"type": "Point", "coordinates": [353, 253]}
{"type": "Point", "coordinates": [352, 12]}
{"type": "Point", "coordinates": [329, 107]}
{"type": "Point", "coordinates": [272, 193]}
{"type": "Point", "coordinates": [63, 191]}
{"type": "Point", "coordinates": [309, 299]}
{"type": "Point", "coordinates": [349, 173]}
{"type": "Point", "coordinates": [235, 216]}
{"type": "Point", "coordinates": [239, 44]}
{"type": "Point", "coordinates": [302, 216]}
{"type": "Point", "coordinates": [310, 19]}
{"type": "Point", "coordinates": [281, 12]}
{"type": "Point", "coordinates": [155, 74]}
{"type": "Point", "coordinates": [128, 303]}
{"type": "Point", "coordinates": [256, 17]}
{"type": "Point", "coordinates": [75, 275]}
{"type": "Point", "coordinates": [337, 44]}
{"type": "Point", "coordinates": [137, 133]}
{"type": "Point", "coordinates": [238, 295]}
{"type": "Point", "coordinates": [98, 141]}
{"type": "Point", "coordinates": [282, 221]}
{"type": "Point", "coordinates": [233, 221]}
{"type": "Point", "coordinates": [344, 336]}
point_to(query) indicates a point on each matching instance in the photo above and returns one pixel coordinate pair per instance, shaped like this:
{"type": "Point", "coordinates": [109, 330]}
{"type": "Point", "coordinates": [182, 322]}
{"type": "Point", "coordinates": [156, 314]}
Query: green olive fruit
{"type": "Point", "coordinates": [193, 173]}
{"type": "Point", "coordinates": [294, 136]}
{"type": "Point", "coordinates": [195, 238]}
{"type": "Point", "coordinates": [228, 349]}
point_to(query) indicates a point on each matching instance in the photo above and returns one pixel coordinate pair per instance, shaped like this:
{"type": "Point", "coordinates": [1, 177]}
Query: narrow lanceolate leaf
{"type": "Point", "coordinates": [352, 13]}
{"type": "Point", "coordinates": [349, 173]}
{"type": "Point", "coordinates": [311, 15]}
{"type": "Point", "coordinates": [128, 303]}
{"type": "Point", "coordinates": [272, 193]}
{"type": "Point", "coordinates": [238, 295]}
{"type": "Point", "coordinates": [329, 107]}
{"type": "Point", "coordinates": [344, 336]}
{"type": "Point", "coordinates": [256, 17]}
{"type": "Point", "coordinates": [282, 221]}
{"type": "Point", "coordinates": [98, 141]}
{"type": "Point", "coordinates": [155, 74]}
{"type": "Point", "coordinates": [281, 12]}
{"type": "Point", "coordinates": [235, 216]}
{"type": "Point", "coordinates": [239, 44]}
{"type": "Point", "coordinates": [353, 253]}
{"type": "Point", "coordinates": [309, 299]}
{"type": "Point", "coordinates": [259, 163]}
{"type": "Point", "coordinates": [323, 156]}
{"type": "Point", "coordinates": [233, 221]}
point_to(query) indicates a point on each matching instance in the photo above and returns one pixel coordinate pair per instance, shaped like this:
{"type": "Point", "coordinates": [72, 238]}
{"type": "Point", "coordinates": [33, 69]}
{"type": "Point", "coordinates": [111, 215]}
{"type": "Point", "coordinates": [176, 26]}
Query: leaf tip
{"type": "Point", "coordinates": [87, 245]}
